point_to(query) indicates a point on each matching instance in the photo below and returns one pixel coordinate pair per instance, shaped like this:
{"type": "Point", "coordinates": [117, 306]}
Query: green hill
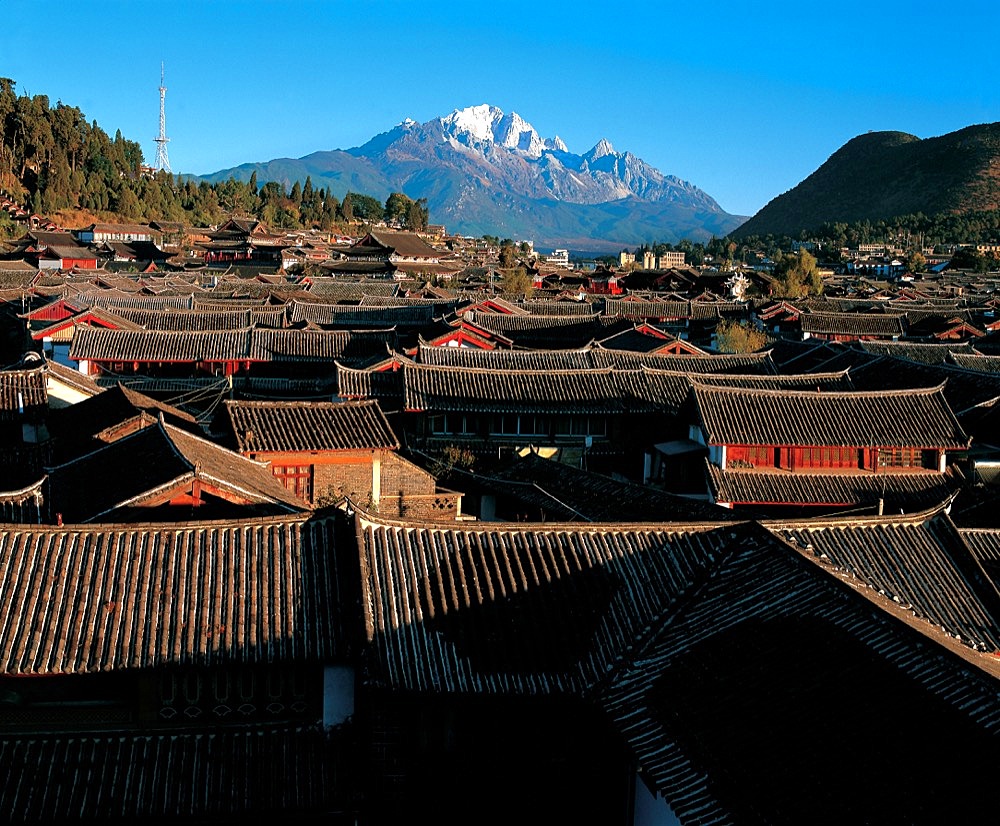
{"type": "Point", "coordinates": [882, 175]}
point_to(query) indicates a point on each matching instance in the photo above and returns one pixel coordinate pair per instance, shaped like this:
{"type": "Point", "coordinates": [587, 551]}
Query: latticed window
{"type": "Point", "coordinates": [900, 457]}
{"type": "Point", "coordinates": [296, 478]}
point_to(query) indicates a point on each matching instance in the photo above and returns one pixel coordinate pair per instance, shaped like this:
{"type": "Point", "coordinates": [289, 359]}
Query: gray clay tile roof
{"type": "Point", "coordinates": [140, 467]}
{"type": "Point", "coordinates": [349, 315]}
{"type": "Point", "coordinates": [431, 592]}
{"type": "Point", "coordinates": [275, 426]}
{"type": "Point", "coordinates": [748, 653]}
{"type": "Point", "coordinates": [925, 566]}
{"type": "Point", "coordinates": [757, 363]}
{"type": "Point", "coordinates": [916, 418]}
{"type": "Point", "coordinates": [881, 325]}
{"type": "Point", "coordinates": [256, 345]}
{"type": "Point", "coordinates": [906, 492]}
{"type": "Point", "coordinates": [340, 289]}
{"type": "Point", "coordinates": [964, 389]}
{"type": "Point", "coordinates": [23, 393]}
{"type": "Point", "coordinates": [567, 494]}
{"type": "Point", "coordinates": [87, 598]}
{"type": "Point", "coordinates": [969, 360]}
{"type": "Point", "coordinates": [161, 777]}
{"type": "Point", "coordinates": [561, 391]}
{"type": "Point", "coordinates": [203, 319]}
{"type": "Point", "coordinates": [502, 359]}
{"type": "Point", "coordinates": [916, 351]}
{"type": "Point", "coordinates": [95, 344]}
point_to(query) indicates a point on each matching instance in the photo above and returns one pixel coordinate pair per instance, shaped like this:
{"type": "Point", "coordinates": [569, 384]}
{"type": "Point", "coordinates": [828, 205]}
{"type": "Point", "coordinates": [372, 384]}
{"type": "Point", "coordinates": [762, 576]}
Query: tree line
{"type": "Point", "coordinates": [54, 161]}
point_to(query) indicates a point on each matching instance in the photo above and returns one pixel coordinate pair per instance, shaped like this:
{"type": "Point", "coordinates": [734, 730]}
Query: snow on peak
{"type": "Point", "coordinates": [408, 123]}
{"type": "Point", "coordinates": [485, 124]}
{"type": "Point", "coordinates": [603, 148]}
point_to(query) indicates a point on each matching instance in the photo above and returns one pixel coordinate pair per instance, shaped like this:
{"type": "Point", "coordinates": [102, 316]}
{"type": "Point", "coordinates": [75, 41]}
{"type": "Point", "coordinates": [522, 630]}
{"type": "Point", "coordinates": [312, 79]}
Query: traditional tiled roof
{"type": "Point", "coordinates": [56, 372]}
{"type": "Point", "coordinates": [161, 777]}
{"type": "Point", "coordinates": [275, 426]}
{"type": "Point", "coordinates": [115, 300]}
{"type": "Point", "coordinates": [503, 359]}
{"type": "Point", "coordinates": [202, 319]}
{"type": "Point", "coordinates": [381, 380]}
{"type": "Point", "coordinates": [354, 316]}
{"type": "Point", "coordinates": [964, 389]}
{"type": "Point", "coordinates": [897, 492]}
{"type": "Point", "coordinates": [319, 345]}
{"type": "Point", "coordinates": [739, 416]}
{"type": "Point", "coordinates": [405, 244]}
{"type": "Point", "coordinates": [22, 504]}
{"type": "Point", "coordinates": [741, 363]}
{"type": "Point", "coordinates": [515, 323]}
{"type": "Point", "coordinates": [563, 391]}
{"type": "Point", "coordinates": [254, 345]}
{"type": "Point", "coordinates": [925, 566]}
{"type": "Point", "coordinates": [697, 643]}
{"type": "Point", "coordinates": [74, 428]}
{"type": "Point", "coordinates": [970, 360]}
{"type": "Point", "coordinates": [915, 351]}
{"type": "Point", "coordinates": [427, 590]}
{"type": "Point", "coordinates": [549, 307]}
{"type": "Point", "coordinates": [567, 494]}
{"type": "Point", "coordinates": [880, 325]}
{"type": "Point", "coordinates": [143, 468]}
{"type": "Point", "coordinates": [87, 598]}
{"type": "Point", "coordinates": [23, 394]}
{"type": "Point", "coordinates": [341, 289]}
{"type": "Point", "coordinates": [714, 701]}
{"type": "Point", "coordinates": [96, 344]}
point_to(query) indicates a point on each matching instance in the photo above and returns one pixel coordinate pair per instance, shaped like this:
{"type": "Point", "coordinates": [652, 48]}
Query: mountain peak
{"type": "Point", "coordinates": [602, 148]}
{"type": "Point", "coordinates": [483, 125]}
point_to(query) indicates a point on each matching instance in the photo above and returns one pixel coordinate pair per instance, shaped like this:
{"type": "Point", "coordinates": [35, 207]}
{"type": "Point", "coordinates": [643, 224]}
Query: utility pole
{"type": "Point", "coordinates": [162, 162]}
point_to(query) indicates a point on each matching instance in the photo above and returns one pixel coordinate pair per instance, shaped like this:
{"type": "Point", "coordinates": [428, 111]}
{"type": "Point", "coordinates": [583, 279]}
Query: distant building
{"type": "Point", "coordinates": [671, 258]}
{"type": "Point", "coordinates": [558, 258]}
{"type": "Point", "coordinates": [626, 258]}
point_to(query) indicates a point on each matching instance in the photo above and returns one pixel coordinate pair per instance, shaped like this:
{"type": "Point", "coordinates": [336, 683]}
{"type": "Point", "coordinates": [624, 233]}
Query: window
{"type": "Point", "coordinates": [296, 478]}
{"type": "Point", "coordinates": [900, 457]}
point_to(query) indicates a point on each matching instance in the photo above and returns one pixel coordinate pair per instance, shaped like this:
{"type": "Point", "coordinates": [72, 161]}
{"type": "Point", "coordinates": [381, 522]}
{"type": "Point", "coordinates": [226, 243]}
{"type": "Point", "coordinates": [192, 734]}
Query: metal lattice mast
{"type": "Point", "coordinates": [162, 162]}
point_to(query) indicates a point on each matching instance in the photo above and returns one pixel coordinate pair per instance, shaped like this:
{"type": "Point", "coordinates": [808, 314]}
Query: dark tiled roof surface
{"type": "Point", "coordinates": [177, 776]}
{"type": "Point", "coordinates": [908, 492]}
{"type": "Point", "coordinates": [155, 459]}
{"type": "Point", "coordinates": [430, 593]}
{"type": "Point", "coordinates": [349, 315]}
{"type": "Point", "coordinates": [87, 598]}
{"type": "Point", "coordinates": [502, 359]}
{"type": "Point", "coordinates": [738, 416]}
{"type": "Point", "coordinates": [853, 324]}
{"type": "Point", "coordinates": [568, 494]}
{"type": "Point", "coordinates": [915, 351]}
{"type": "Point", "coordinates": [266, 426]}
{"type": "Point", "coordinates": [23, 393]}
{"type": "Point", "coordinates": [925, 566]}
{"type": "Point", "coordinates": [964, 389]}
{"type": "Point", "coordinates": [558, 391]}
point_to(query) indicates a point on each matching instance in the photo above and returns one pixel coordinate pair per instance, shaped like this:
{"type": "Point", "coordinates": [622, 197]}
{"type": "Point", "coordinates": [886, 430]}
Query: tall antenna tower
{"type": "Point", "coordinates": [162, 162]}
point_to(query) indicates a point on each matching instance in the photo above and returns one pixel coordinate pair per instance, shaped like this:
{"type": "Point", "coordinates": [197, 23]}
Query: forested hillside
{"type": "Point", "coordinates": [58, 164]}
{"type": "Point", "coordinates": [883, 175]}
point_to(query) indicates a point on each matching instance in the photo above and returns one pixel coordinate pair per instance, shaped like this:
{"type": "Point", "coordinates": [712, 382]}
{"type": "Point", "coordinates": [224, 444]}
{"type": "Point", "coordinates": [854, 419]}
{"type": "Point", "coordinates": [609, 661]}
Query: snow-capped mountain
{"type": "Point", "coordinates": [480, 126]}
{"type": "Point", "coordinates": [484, 171]}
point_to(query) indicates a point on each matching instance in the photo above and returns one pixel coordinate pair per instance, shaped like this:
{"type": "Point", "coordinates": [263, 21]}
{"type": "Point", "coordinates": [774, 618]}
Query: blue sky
{"type": "Point", "coordinates": [743, 100]}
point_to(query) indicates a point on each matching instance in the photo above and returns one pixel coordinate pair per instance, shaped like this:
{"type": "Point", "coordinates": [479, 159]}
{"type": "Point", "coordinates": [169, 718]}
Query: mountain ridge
{"type": "Point", "coordinates": [484, 171]}
{"type": "Point", "coordinates": [888, 174]}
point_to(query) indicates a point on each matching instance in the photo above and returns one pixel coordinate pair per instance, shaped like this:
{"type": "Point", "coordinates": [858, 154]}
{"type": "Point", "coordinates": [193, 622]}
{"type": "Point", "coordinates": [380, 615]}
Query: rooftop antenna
{"type": "Point", "coordinates": [162, 162]}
